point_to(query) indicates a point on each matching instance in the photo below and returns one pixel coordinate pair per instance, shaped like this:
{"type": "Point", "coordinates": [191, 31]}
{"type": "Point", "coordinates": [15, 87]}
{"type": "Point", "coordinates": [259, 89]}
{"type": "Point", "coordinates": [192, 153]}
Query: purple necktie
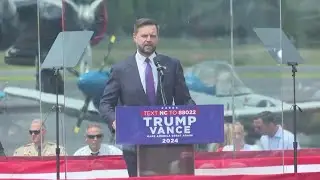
{"type": "Point", "coordinates": [150, 90]}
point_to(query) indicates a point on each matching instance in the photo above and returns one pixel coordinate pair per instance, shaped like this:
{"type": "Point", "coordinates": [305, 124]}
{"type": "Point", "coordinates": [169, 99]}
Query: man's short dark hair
{"type": "Point", "coordinates": [144, 22]}
{"type": "Point", "coordinates": [266, 116]}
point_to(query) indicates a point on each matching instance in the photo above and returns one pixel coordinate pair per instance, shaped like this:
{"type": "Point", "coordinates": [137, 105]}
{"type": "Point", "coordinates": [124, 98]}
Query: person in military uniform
{"type": "Point", "coordinates": [38, 145]}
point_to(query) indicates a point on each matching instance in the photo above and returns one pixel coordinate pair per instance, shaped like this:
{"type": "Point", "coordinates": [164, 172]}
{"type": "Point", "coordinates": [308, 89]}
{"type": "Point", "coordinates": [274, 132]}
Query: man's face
{"type": "Point", "coordinates": [94, 137]}
{"type": "Point", "coordinates": [146, 39]}
{"type": "Point", "coordinates": [260, 127]}
{"type": "Point", "coordinates": [36, 132]}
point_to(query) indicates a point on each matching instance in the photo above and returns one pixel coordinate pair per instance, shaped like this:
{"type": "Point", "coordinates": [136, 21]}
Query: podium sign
{"type": "Point", "coordinates": [151, 125]}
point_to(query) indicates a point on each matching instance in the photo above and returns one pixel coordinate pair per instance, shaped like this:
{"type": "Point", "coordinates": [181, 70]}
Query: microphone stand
{"type": "Point", "coordinates": [57, 107]}
{"type": "Point", "coordinates": [164, 99]}
{"type": "Point", "coordinates": [161, 76]}
{"type": "Point", "coordinates": [295, 144]}
{"type": "Point", "coordinates": [57, 110]}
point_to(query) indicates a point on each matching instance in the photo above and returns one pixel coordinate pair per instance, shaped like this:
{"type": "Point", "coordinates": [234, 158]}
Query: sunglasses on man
{"type": "Point", "coordinates": [98, 136]}
{"type": "Point", "coordinates": [35, 132]}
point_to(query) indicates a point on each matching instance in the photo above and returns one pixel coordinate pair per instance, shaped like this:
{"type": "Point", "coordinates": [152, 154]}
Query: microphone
{"type": "Point", "coordinates": [160, 68]}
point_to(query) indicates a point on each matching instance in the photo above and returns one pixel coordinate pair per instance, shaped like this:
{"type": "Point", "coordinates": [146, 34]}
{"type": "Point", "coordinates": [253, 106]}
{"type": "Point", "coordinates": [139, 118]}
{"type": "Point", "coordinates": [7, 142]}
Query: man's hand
{"type": "Point", "coordinates": [114, 124]}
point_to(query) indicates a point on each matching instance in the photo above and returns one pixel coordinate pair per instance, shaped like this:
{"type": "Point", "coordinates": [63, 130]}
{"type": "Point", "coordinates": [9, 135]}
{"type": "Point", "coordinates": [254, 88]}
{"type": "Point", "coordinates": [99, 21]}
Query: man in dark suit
{"type": "Point", "coordinates": [135, 82]}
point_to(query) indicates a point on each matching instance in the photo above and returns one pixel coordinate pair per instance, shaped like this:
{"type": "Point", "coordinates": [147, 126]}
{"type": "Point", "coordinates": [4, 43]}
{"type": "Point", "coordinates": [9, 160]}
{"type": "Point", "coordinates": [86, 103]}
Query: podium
{"type": "Point", "coordinates": [165, 136]}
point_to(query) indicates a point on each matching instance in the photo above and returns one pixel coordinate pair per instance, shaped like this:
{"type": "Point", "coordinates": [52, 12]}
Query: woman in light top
{"type": "Point", "coordinates": [235, 132]}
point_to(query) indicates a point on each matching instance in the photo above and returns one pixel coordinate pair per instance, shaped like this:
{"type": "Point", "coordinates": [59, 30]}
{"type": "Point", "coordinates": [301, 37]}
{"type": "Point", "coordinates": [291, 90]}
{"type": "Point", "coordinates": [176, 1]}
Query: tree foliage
{"type": "Point", "coordinates": [212, 18]}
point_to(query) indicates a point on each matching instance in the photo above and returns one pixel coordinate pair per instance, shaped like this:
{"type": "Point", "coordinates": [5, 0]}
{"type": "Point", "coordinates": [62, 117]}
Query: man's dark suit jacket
{"type": "Point", "coordinates": [124, 87]}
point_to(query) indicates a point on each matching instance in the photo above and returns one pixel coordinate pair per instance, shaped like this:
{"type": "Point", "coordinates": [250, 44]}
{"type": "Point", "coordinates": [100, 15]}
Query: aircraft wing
{"type": "Point", "coordinates": [248, 111]}
{"type": "Point", "coordinates": [66, 102]}
{"type": "Point", "coordinates": [285, 108]}
{"type": "Point", "coordinates": [200, 98]}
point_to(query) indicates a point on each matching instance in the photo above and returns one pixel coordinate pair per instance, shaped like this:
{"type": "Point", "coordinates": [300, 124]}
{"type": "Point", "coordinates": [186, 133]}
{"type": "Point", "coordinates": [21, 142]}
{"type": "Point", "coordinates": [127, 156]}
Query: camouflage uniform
{"type": "Point", "coordinates": [49, 149]}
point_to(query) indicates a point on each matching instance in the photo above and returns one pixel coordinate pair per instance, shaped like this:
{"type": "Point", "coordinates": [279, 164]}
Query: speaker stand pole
{"type": "Point", "coordinates": [163, 96]}
{"type": "Point", "coordinates": [295, 144]}
{"type": "Point", "coordinates": [57, 107]}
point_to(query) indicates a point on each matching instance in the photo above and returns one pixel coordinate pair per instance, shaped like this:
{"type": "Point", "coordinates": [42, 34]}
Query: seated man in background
{"type": "Point", "coordinates": [236, 130]}
{"type": "Point", "coordinates": [38, 147]}
{"type": "Point", "coordinates": [95, 147]}
{"type": "Point", "coordinates": [274, 137]}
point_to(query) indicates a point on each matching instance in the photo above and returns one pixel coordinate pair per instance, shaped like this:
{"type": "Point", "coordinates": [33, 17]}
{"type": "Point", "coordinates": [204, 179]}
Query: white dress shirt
{"type": "Point", "coordinates": [140, 59]}
{"type": "Point", "coordinates": [282, 140]}
{"type": "Point", "coordinates": [104, 150]}
{"type": "Point", "coordinates": [246, 147]}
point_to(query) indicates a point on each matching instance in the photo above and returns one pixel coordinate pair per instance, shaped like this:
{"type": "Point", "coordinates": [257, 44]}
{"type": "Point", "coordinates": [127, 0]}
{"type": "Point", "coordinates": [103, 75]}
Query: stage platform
{"type": "Point", "coordinates": [209, 166]}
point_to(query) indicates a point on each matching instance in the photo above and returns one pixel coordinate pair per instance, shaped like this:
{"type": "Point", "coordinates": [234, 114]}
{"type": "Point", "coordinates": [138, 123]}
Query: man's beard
{"type": "Point", "coordinates": [147, 50]}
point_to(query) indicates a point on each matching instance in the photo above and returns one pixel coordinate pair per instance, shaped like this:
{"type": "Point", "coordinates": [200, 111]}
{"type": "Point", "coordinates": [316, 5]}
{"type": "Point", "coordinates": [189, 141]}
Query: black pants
{"type": "Point", "coordinates": [130, 158]}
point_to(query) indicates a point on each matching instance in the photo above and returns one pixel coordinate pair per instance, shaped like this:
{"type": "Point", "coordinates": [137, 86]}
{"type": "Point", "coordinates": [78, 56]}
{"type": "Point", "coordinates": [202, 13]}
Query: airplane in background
{"type": "Point", "coordinates": [216, 82]}
{"type": "Point", "coordinates": [209, 82]}
{"type": "Point", "coordinates": [90, 83]}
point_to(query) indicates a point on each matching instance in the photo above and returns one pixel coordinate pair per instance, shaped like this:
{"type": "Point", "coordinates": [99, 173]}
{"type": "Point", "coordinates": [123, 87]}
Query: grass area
{"type": "Point", "coordinates": [278, 75]}
{"type": "Point", "coordinates": [188, 51]}
{"type": "Point", "coordinates": [191, 51]}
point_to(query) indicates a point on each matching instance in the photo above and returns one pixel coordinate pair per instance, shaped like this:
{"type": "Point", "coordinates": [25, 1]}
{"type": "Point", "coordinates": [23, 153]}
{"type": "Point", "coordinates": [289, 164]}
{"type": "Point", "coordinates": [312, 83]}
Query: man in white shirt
{"type": "Point", "coordinates": [274, 137]}
{"type": "Point", "coordinates": [94, 137]}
